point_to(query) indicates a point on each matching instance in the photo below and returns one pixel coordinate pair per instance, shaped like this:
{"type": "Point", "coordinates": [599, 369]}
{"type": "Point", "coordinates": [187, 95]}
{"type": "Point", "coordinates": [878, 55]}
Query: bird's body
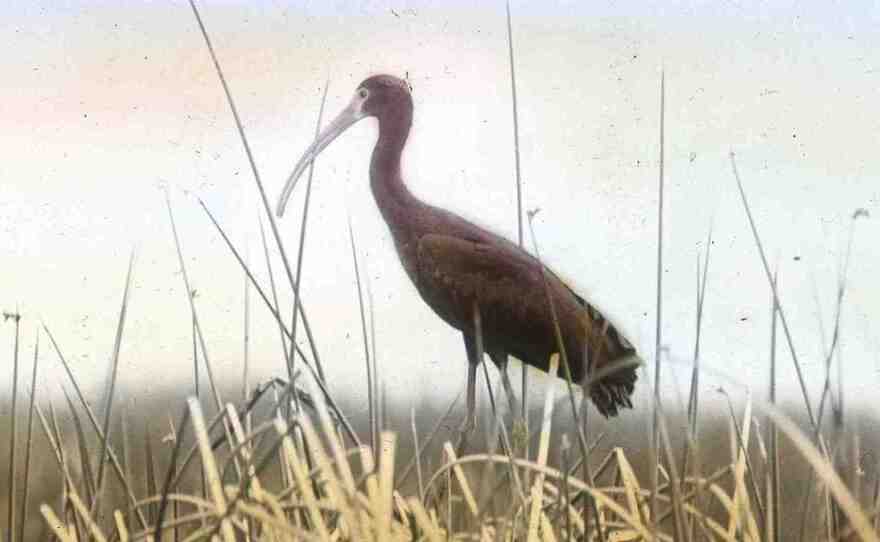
{"type": "Point", "coordinates": [458, 267]}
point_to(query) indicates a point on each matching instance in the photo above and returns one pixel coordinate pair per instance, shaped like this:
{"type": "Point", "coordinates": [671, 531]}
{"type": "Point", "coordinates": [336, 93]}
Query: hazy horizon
{"type": "Point", "coordinates": [106, 105]}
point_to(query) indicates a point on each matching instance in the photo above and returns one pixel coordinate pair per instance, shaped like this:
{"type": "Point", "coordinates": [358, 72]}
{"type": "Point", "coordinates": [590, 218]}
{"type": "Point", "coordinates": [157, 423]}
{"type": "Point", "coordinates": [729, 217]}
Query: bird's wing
{"type": "Point", "coordinates": [577, 296]}
{"type": "Point", "coordinates": [619, 342]}
{"type": "Point", "coordinates": [454, 272]}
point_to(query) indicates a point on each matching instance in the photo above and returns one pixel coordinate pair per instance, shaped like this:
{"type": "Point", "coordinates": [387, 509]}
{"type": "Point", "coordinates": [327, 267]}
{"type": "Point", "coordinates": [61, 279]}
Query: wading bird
{"type": "Point", "coordinates": [460, 268]}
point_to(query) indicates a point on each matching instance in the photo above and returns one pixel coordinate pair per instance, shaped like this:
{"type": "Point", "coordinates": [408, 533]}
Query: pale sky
{"type": "Point", "coordinates": [104, 104]}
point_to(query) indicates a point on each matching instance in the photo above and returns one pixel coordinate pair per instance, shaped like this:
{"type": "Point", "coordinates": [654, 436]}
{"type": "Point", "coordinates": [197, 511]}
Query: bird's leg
{"type": "Point", "coordinates": [470, 420]}
{"type": "Point", "coordinates": [519, 429]}
{"type": "Point", "coordinates": [508, 389]}
{"type": "Point", "coordinates": [500, 360]}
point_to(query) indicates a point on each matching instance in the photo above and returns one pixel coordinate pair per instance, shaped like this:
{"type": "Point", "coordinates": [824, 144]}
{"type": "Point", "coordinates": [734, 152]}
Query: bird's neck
{"type": "Point", "coordinates": [392, 196]}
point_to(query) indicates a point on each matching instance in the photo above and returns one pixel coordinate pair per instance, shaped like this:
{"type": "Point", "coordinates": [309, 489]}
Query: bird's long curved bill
{"type": "Point", "coordinates": [346, 118]}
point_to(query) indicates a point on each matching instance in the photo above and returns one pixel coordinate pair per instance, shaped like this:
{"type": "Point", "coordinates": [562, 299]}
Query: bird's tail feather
{"type": "Point", "coordinates": [611, 375]}
{"type": "Point", "coordinates": [611, 385]}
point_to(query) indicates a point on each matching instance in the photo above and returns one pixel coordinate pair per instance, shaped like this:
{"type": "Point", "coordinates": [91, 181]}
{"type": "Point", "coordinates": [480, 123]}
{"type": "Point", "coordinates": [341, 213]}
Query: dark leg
{"type": "Point", "coordinates": [470, 420]}
{"type": "Point", "coordinates": [500, 360]}
{"type": "Point", "coordinates": [519, 430]}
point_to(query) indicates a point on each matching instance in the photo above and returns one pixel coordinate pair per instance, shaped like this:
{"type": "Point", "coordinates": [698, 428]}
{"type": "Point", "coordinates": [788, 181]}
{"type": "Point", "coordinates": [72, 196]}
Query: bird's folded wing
{"type": "Point", "coordinates": [454, 272]}
{"type": "Point", "coordinates": [457, 256]}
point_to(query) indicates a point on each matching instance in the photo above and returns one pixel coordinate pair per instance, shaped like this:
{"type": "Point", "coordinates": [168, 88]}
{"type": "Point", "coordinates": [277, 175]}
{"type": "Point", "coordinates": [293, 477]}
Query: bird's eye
{"type": "Point", "coordinates": [363, 93]}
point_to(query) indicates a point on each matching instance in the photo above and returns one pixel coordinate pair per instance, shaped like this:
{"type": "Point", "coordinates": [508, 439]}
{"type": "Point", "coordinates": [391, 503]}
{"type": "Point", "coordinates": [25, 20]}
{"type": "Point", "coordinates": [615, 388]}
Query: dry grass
{"type": "Point", "coordinates": [294, 478]}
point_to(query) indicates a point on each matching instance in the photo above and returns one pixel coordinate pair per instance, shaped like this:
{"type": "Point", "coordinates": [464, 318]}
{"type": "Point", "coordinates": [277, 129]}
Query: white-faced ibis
{"type": "Point", "coordinates": [458, 268]}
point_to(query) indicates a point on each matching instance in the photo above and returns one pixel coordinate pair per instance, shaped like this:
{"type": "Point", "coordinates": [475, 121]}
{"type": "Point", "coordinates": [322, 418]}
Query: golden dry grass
{"type": "Point", "coordinates": [324, 490]}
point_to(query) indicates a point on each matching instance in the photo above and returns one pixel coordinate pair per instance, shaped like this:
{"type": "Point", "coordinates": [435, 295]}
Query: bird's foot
{"type": "Point", "coordinates": [468, 424]}
{"type": "Point", "coordinates": [519, 433]}
{"type": "Point", "coordinates": [464, 432]}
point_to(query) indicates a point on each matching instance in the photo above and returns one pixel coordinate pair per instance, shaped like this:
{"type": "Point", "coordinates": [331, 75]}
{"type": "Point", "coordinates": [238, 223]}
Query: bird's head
{"type": "Point", "coordinates": [381, 94]}
{"type": "Point", "coordinates": [377, 96]}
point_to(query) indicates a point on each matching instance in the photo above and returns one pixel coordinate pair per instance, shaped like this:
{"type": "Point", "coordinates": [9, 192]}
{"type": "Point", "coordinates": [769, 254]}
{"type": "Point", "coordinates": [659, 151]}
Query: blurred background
{"type": "Point", "coordinates": [106, 105]}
